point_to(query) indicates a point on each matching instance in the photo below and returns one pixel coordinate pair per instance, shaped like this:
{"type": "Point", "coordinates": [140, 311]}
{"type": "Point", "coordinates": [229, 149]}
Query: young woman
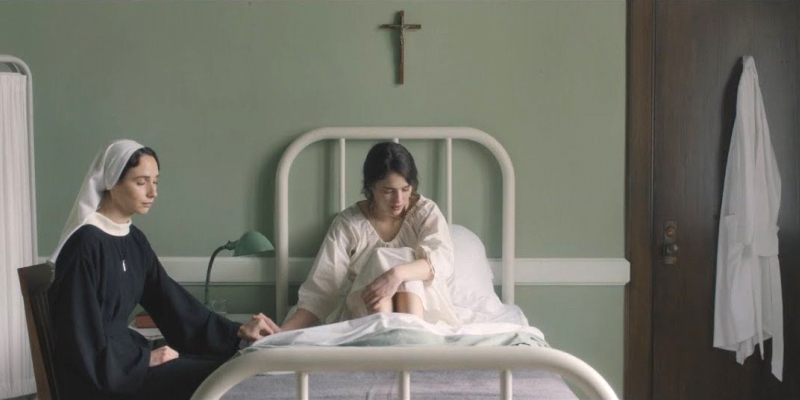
{"type": "Point", "coordinates": [104, 266]}
{"type": "Point", "coordinates": [388, 253]}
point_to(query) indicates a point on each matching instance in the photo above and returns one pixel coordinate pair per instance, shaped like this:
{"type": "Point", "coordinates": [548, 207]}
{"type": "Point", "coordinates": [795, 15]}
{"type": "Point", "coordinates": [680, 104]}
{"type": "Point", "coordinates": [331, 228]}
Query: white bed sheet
{"type": "Point", "coordinates": [382, 329]}
{"type": "Point", "coordinates": [402, 329]}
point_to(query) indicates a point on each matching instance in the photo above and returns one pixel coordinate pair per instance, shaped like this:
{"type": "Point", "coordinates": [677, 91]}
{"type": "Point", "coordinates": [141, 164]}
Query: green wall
{"type": "Point", "coordinates": [219, 89]}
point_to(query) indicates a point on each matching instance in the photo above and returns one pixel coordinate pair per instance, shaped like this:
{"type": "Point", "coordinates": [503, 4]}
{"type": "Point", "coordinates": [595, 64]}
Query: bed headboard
{"type": "Point", "coordinates": [397, 133]}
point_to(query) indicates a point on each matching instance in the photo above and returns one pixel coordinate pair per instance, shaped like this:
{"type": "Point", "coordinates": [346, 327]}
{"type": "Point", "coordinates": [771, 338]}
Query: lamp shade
{"type": "Point", "coordinates": [252, 242]}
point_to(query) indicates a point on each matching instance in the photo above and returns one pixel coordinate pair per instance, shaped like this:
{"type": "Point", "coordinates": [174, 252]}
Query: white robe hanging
{"type": "Point", "coordinates": [749, 306]}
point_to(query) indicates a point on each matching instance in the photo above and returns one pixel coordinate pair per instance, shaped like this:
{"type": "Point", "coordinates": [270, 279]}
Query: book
{"type": "Point", "coordinates": [143, 320]}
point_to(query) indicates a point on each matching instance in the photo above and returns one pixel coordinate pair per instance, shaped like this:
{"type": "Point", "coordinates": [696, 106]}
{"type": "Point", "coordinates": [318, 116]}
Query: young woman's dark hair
{"type": "Point", "coordinates": [134, 160]}
{"type": "Point", "coordinates": [386, 157]}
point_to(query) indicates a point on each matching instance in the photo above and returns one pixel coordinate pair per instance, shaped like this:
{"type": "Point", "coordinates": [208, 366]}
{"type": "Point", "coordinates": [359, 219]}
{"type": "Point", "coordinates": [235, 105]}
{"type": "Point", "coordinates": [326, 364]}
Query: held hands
{"type": "Point", "coordinates": [259, 326]}
{"type": "Point", "coordinates": [382, 288]}
{"type": "Point", "coordinates": [162, 355]}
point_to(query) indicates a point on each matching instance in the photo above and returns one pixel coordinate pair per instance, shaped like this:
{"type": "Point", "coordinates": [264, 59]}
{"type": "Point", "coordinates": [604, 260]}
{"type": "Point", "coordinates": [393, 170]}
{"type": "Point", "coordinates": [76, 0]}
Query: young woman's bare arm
{"type": "Point", "coordinates": [385, 286]}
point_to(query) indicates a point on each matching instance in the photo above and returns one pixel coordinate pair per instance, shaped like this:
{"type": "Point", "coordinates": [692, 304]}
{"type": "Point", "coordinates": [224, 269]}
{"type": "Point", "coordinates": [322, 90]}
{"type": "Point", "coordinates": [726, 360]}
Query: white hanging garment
{"type": "Point", "coordinates": [749, 307]}
{"type": "Point", "coordinates": [17, 230]}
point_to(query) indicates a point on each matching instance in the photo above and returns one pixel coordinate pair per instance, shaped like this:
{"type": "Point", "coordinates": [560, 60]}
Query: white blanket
{"type": "Point", "coordinates": [404, 330]}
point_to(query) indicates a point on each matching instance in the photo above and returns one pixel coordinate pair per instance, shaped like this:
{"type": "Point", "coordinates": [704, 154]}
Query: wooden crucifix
{"type": "Point", "coordinates": [401, 26]}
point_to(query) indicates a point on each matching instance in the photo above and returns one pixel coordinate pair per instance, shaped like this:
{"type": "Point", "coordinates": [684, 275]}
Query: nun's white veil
{"type": "Point", "coordinates": [103, 175]}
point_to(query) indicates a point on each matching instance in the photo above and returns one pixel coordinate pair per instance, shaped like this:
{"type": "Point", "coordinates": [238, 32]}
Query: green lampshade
{"type": "Point", "coordinates": [251, 242]}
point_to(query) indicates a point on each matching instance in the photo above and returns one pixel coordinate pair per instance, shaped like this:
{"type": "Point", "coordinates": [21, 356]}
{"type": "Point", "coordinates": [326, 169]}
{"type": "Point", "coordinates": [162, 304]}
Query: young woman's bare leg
{"type": "Point", "coordinates": [409, 303]}
{"type": "Point", "coordinates": [385, 306]}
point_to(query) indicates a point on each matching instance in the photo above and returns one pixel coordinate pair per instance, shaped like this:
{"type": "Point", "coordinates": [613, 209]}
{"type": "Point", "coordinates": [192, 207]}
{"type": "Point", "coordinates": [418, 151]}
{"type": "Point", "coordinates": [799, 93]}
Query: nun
{"type": "Point", "coordinates": [104, 267]}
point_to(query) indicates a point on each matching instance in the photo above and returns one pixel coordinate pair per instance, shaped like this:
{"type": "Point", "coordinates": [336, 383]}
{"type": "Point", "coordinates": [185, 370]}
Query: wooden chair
{"type": "Point", "coordinates": [34, 281]}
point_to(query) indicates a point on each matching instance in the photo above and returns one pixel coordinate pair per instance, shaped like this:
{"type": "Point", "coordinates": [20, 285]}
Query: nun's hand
{"type": "Point", "coordinates": [258, 327]}
{"type": "Point", "coordinates": [162, 355]}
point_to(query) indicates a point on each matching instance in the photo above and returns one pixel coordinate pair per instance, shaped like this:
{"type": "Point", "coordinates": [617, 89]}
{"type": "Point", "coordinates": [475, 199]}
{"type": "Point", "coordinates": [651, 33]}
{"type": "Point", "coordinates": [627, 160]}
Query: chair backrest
{"type": "Point", "coordinates": [34, 281]}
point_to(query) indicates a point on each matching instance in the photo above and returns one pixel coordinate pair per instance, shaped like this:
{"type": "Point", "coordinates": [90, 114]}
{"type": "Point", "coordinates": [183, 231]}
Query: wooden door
{"type": "Point", "coordinates": [697, 48]}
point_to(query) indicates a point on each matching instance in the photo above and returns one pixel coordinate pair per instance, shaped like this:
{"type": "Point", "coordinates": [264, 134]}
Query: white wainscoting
{"type": "Point", "coordinates": [528, 271]}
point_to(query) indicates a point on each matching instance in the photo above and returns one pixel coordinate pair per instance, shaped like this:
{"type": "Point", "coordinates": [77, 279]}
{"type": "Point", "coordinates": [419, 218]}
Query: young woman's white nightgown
{"type": "Point", "coordinates": [353, 255]}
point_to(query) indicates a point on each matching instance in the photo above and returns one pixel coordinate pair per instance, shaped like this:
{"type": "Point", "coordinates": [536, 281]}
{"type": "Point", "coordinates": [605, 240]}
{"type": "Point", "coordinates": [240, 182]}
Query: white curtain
{"type": "Point", "coordinates": [16, 235]}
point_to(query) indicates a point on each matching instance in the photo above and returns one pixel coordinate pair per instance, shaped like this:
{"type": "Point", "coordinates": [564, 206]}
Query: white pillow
{"type": "Point", "coordinates": [471, 285]}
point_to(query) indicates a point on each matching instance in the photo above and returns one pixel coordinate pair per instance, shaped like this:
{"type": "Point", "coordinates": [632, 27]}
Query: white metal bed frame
{"type": "Point", "coordinates": [404, 359]}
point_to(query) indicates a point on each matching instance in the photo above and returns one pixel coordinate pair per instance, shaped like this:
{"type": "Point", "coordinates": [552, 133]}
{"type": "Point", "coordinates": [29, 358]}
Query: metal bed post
{"type": "Point", "coordinates": [506, 385]}
{"type": "Point", "coordinates": [342, 204]}
{"type": "Point", "coordinates": [449, 169]}
{"type": "Point", "coordinates": [302, 385]}
{"type": "Point", "coordinates": [404, 382]}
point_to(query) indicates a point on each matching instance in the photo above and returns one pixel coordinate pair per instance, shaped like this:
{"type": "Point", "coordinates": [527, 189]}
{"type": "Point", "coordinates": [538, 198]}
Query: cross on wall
{"type": "Point", "coordinates": [402, 27]}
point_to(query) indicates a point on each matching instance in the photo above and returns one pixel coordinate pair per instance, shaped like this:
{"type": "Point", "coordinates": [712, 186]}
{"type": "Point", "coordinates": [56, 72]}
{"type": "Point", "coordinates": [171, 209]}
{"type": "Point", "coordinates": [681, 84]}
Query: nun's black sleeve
{"type": "Point", "coordinates": [187, 325]}
{"type": "Point", "coordinates": [105, 356]}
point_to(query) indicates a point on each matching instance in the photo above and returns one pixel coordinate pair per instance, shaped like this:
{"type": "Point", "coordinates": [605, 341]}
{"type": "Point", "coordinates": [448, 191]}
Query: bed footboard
{"type": "Point", "coordinates": [405, 359]}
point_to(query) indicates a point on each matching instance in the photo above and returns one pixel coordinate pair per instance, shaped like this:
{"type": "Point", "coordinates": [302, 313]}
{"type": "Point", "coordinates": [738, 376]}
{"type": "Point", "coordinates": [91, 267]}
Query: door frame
{"type": "Point", "coordinates": [639, 128]}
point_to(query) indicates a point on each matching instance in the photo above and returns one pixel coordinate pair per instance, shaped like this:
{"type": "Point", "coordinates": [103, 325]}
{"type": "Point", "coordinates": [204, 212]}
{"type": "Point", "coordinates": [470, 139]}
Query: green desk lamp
{"type": "Point", "coordinates": [252, 242]}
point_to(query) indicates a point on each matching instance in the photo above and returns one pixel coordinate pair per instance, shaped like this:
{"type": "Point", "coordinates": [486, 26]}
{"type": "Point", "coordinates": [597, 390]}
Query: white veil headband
{"type": "Point", "coordinates": [103, 175]}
